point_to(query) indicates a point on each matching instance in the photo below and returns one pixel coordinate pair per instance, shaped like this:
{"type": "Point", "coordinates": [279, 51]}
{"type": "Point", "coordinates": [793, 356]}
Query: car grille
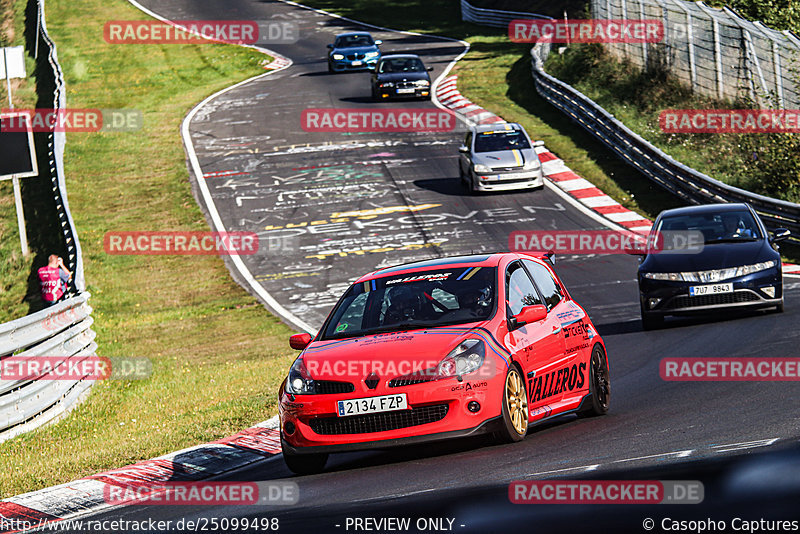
{"type": "Point", "coordinates": [352, 57]}
{"type": "Point", "coordinates": [328, 387]}
{"type": "Point", "coordinates": [379, 422]}
{"type": "Point", "coordinates": [737, 297]}
{"type": "Point", "coordinates": [426, 375]}
{"type": "Point", "coordinates": [406, 85]}
{"type": "Point", "coordinates": [507, 169]}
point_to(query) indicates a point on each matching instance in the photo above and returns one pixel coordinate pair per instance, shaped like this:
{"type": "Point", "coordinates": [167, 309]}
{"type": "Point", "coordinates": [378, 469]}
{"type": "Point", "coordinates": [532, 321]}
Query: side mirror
{"type": "Point", "coordinates": [463, 149]}
{"type": "Point", "coordinates": [378, 42]}
{"type": "Point", "coordinates": [780, 234]}
{"type": "Point", "coordinates": [371, 66]}
{"type": "Point", "coordinates": [300, 341]}
{"type": "Point", "coordinates": [528, 314]}
{"type": "Point", "coordinates": [430, 68]}
{"type": "Point", "coordinates": [538, 143]}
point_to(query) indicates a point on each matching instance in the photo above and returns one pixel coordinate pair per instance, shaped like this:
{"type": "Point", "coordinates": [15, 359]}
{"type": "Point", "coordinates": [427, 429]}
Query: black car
{"type": "Point", "coordinates": [399, 76]}
{"type": "Point", "coordinates": [736, 264]}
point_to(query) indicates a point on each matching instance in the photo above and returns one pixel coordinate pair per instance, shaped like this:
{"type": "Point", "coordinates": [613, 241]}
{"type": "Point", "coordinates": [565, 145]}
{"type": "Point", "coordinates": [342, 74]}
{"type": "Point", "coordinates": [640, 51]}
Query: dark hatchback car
{"type": "Point", "coordinates": [353, 51]}
{"type": "Point", "coordinates": [736, 265]}
{"type": "Point", "coordinates": [401, 76]}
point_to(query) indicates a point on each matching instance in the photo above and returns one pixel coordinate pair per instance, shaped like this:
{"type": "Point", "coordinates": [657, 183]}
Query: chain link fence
{"type": "Point", "coordinates": [715, 51]}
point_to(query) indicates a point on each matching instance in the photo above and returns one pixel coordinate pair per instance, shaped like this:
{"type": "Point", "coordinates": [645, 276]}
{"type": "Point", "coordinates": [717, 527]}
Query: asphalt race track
{"type": "Point", "coordinates": [320, 202]}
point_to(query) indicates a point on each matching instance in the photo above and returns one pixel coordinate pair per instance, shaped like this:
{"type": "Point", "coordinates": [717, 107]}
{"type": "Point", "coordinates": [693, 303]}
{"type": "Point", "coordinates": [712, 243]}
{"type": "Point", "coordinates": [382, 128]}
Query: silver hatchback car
{"type": "Point", "coordinates": [499, 157]}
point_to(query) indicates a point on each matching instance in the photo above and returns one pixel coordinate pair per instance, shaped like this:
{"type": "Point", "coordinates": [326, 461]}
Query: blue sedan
{"type": "Point", "coordinates": [353, 51]}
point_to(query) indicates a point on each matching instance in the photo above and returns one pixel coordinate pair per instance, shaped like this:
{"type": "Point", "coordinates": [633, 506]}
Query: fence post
{"type": "Point", "coordinates": [777, 68]}
{"type": "Point", "coordinates": [644, 43]}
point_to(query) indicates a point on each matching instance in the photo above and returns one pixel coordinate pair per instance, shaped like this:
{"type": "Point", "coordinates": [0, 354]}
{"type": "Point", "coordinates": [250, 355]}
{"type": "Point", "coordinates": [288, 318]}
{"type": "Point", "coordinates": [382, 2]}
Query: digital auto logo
{"type": "Point", "coordinates": [377, 120]}
{"type": "Point", "coordinates": [730, 121]}
{"type": "Point", "coordinates": [586, 31]}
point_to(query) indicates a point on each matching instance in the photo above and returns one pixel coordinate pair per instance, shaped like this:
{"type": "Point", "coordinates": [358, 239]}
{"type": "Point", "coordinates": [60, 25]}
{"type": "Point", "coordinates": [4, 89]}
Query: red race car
{"type": "Point", "coordinates": [441, 349]}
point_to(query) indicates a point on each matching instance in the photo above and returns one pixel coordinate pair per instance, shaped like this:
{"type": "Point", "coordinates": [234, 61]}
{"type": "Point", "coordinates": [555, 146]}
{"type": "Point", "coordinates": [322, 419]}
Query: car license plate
{"type": "Point", "coordinates": [513, 175]}
{"type": "Point", "coordinates": [405, 91]}
{"type": "Point", "coordinates": [357, 63]}
{"type": "Point", "coordinates": [714, 289]}
{"type": "Point", "coordinates": [385, 403]}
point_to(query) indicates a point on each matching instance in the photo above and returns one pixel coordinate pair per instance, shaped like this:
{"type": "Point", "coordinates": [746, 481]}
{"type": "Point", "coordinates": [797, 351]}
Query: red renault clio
{"type": "Point", "coordinates": [441, 349]}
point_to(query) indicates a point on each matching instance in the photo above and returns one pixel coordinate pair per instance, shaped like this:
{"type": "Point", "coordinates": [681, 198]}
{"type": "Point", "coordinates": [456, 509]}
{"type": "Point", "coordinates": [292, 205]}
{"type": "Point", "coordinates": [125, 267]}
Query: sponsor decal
{"type": "Point", "coordinates": [433, 277]}
{"type": "Point", "coordinates": [586, 31]}
{"type": "Point", "coordinates": [466, 386]}
{"type": "Point", "coordinates": [557, 382]}
{"type": "Point", "coordinates": [730, 121]}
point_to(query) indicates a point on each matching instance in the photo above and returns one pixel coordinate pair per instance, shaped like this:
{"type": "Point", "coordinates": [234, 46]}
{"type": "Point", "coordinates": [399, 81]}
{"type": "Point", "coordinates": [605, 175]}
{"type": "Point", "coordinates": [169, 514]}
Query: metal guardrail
{"type": "Point", "coordinates": [493, 17]}
{"type": "Point", "coordinates": [684, 182]}
{"type": "Point", "coordinates": [62, 332]}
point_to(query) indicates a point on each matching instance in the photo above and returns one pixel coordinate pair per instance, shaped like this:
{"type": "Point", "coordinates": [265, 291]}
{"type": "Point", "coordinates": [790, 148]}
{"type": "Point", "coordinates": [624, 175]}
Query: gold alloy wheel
{"type": "Point", "coordinates": [517, 401]}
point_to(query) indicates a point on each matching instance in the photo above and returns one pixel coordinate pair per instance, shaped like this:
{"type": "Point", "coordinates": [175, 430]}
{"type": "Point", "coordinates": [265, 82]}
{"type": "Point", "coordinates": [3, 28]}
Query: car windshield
{"type": "Point", "coordinates": [720, 227]}
{"type": "Point", "coordinates": [498, 140]}
{"type": "Point", "coordinates": [417, 300]}
{"type": "Point", "coordinates": [349, 41]}
{"type": "Point", "coordinates": [408, 64]}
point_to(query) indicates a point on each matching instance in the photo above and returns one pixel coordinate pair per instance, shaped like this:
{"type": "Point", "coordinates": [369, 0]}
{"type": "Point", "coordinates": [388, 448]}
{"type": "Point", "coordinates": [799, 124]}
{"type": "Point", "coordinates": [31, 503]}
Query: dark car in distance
{"type": "Point", "coordinates": [737, 264]}
{"type": "Point", "coordinates": [401, 76]}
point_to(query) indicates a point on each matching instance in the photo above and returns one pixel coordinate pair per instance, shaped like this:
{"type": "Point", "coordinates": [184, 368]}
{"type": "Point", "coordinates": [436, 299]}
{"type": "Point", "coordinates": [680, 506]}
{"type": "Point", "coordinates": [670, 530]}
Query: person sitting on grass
{"type": "Point", "coordinates": [54, 278]}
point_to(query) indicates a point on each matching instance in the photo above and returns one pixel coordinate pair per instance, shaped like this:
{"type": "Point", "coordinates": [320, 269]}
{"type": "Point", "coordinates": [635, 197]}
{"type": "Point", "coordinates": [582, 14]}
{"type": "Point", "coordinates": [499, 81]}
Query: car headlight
{"type": "Point", "coordinates": [423, 83]}
{"type": "Point", "coordinates": [714, 275]}
{"type": "Point", "coordinates": [467, 357]}
{"type": "Point", "coordinates": [387, 84]}
{"type": "Point", "coordinates": [531, 165]}
{"type": "Point", "coordinates": [299, 381]}
{"type": "Point", "coordinates": [338, 56]}
{"type": "Point", "coordinates": [481, 168]}
{"type": "Point", "coordinates": [372, 54]}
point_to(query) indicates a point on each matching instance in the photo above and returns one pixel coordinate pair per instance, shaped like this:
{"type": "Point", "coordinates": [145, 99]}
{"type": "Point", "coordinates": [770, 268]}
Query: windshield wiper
{"type": "Point", "coordinates": [731, 240]}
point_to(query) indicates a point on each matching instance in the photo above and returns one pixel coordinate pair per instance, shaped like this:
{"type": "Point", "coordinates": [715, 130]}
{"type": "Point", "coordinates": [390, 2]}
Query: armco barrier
{"type": "Point", "coordinates": [62, 331]}
{"type": "Point", "coordinates": [686, 183]}
{"type": "Point", "coordinates": [493, 17]}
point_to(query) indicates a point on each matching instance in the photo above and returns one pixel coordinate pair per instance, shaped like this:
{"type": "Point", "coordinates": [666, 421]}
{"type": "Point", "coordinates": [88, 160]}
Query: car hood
{"type": "Point", "coordinates": [355, 50]}
{"type": "Point", "coordinates": [389, 355]}
{"type": "Point", "coordinates": [713, 256]}
{"type": "Point", "coordinates": [403, 76]}
{"type": "Point", "coordinates": [504, 158]}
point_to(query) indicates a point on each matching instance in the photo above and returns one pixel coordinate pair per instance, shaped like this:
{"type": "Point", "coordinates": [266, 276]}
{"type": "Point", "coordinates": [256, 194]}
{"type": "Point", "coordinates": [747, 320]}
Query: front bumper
{"type": "Point", "coordinates": [674, 298]}
{"type": "Point", "coordinates": [387, 93]}
{"type": "Point", "coordinates": [357, 64]}
{"type": "Point", "coordinates": [509, 181]}
{"type": "Point", "coordinates": [437, 410]}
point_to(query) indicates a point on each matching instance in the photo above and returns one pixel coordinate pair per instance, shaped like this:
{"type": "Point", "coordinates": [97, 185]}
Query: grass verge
{"type": "Point", "coordinates": [218, 357]}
